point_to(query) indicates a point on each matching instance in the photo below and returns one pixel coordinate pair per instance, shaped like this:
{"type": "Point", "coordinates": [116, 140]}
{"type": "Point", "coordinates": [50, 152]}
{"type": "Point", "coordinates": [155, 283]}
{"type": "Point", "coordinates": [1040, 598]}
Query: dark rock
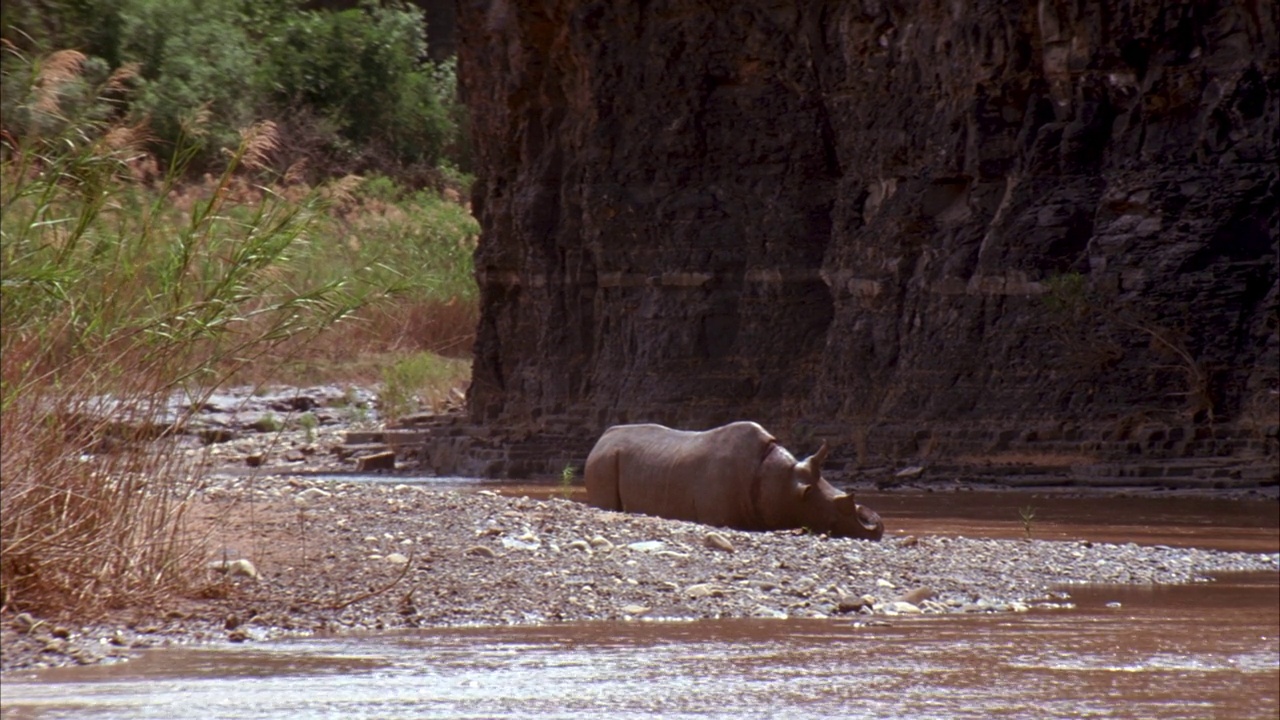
{"type": "Point", "coordinates": [217, 435]}
{"type": "Point", "coordinates": [380, 461]}
{"type": "Point", "coordinates": [974, 218]}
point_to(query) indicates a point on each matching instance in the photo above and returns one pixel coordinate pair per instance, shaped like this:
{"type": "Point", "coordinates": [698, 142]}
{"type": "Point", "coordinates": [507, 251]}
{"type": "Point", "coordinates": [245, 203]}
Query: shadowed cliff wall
{"type": "Point", "coordinates": [911, 228]}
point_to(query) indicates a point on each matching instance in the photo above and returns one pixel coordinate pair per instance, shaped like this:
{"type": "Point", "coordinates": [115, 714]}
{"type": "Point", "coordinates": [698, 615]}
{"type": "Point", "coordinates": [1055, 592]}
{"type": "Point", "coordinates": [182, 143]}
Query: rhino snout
{"type": "Point", "coordinates": [870, 521]}
{"type": "Point", "coordinates": [869, 518]}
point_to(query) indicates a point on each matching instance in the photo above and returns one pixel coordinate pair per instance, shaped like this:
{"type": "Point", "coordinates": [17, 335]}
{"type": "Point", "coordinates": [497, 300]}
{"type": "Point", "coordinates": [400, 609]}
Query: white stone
{"type": "Point", "coordinates": [718, 542]}
{"type": "Point", "coordinates": [701, 590]}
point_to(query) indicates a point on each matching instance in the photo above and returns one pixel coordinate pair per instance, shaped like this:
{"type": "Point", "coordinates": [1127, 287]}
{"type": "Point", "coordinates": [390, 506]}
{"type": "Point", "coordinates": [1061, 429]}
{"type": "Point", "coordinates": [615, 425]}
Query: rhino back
{"type": "Point", "coordinates": [700, 476]}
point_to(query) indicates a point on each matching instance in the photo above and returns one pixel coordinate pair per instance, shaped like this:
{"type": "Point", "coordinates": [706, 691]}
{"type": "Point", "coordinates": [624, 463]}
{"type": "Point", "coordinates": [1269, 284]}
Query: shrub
{"type": "Point", "coordinates": [354, 88]}
{"type": "Point", "coordinates": [192, 54]}
{"type": "Point", "coordinates": [363, 69]}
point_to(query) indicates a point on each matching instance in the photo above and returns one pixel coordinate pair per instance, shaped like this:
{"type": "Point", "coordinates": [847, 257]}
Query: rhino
{"type": "Point", "coordinates": [735, 476]}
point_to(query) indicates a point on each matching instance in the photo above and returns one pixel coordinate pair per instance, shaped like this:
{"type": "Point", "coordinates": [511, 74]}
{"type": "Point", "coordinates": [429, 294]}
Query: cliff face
{"type": "Point", "coordinates": [911, 228]}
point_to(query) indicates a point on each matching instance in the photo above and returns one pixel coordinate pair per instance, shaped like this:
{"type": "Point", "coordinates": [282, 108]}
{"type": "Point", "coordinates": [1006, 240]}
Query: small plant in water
{"type": "Point", "coordinates": [1028, 514]}
{"type": "Point", "coordinates": [566, 481]}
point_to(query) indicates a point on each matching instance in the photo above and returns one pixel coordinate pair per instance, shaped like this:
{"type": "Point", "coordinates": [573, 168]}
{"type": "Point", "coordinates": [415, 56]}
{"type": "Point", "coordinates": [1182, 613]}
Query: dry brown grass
{"type": "Point", "coordinates": [94, 508]}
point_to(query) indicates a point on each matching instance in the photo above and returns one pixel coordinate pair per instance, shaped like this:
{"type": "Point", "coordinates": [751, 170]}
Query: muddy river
{"type": "Point", "coordinates": [1209, 650]}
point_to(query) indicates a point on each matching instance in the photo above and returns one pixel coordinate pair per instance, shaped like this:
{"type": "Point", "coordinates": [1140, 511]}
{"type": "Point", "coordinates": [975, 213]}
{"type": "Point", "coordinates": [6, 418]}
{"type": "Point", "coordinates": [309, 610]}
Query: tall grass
{"type": "Point", "coordinates": [121, 291]}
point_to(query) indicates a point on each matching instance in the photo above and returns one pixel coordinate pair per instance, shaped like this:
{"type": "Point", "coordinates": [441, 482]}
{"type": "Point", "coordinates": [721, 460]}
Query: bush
{"type": "Point", "coordinates": [193, 55]}
{"type": "Point", "coordinates": [354, 89]}
{"type": "Point", "coordinates": [365, 72]}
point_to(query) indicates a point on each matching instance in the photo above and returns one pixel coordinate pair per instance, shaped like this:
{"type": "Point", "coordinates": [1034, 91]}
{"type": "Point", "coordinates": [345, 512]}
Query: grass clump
{"type": "Point", "coordinates": [423, 380]}
{"type": "Point", "coordinates": [127, 297]}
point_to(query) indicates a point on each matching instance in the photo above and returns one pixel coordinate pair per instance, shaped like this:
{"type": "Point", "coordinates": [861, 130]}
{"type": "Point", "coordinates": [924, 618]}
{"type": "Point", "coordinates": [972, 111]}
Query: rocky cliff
{"type": "Point", "coordinates": [918, 230]}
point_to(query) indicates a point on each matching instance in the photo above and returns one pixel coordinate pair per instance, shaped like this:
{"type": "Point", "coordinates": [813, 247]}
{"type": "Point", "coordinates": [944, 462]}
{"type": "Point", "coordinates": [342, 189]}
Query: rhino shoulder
{"type": "Point", "coordinates": [747, 430]}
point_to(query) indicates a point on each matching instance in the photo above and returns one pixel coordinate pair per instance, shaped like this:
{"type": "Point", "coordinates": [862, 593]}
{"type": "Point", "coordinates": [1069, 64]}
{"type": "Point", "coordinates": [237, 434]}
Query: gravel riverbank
{"type": "Point", "coordinates": [302, 554]}
{"type": "Point", "coordinates": [333, 556]}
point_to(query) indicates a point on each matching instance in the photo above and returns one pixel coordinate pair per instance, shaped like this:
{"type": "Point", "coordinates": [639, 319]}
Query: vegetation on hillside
{"type": "Point", "coordinates": [351, 91]}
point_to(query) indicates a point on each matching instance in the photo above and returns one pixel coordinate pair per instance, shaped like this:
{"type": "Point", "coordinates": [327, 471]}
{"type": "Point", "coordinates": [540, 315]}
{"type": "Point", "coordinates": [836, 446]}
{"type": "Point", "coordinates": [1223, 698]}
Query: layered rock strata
{"type": "Point", "coordinates": [918, 231]}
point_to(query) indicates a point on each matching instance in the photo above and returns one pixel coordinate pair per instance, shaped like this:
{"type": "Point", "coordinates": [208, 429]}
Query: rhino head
{"type": "Point", "coordinates": [825, 509]}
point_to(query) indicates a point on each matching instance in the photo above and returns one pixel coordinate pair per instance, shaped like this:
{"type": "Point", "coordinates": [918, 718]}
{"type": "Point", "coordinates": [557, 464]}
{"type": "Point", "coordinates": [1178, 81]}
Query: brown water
{"type": "Point", "coordinates": [1244, 525]}
{"type": "Point", "coordinates": [1250, 526]}
{"type": "Point", "coordinates": [1199, 651]}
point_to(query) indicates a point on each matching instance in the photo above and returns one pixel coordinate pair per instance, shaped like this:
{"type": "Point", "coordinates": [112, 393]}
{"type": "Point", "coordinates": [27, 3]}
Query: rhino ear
{"type": "Point", "coordinates": [819, 458]}
{"type": "Point", "coordinates": [812, 465]}
{"type": "Point", "coordinates": [845, 504]}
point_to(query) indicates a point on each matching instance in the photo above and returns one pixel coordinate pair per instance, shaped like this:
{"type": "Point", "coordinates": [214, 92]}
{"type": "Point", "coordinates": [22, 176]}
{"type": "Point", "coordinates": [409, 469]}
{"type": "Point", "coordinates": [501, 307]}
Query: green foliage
{"type": "Point", "coordinates": [363, 71]}
{"type": "Point", "coordinates": [355, 86]}
{"type": "Point", "coordinates": [566, 481]}
{"type": "Point", "coordinates": [192, 54]}
{"type": "Point", "coordinates": [309, 422]}
{"type": "Point", "coordinates": [1094, 331]}
{"type": "Point", "coordinates": [420, 379]}
{"type": "Point", "coordinates": [1068, 296]}
{"type": "Point", "coordinates": [423, 241]}
{"type": "Point", "coordinates": [1028, 514]}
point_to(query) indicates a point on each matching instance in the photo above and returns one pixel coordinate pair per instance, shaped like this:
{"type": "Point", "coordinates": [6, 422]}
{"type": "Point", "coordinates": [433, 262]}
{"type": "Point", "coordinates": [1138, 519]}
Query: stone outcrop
{"type": "Point", "coordinates": [917, 230]}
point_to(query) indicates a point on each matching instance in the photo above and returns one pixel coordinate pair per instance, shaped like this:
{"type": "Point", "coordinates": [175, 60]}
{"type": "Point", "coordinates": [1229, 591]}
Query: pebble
{"type": "Point", "coordinates": [396, 559]}
{"type": "Point", "coordinates": [310, 495]}
{"type": "Point", "coordinates": [718, 541]}
{"type": "Point", "coordinates": [849, 603]}
{"type": "Point", "coordinates": [917, 595]}
{"type": "Point", "coordinates": [25, 622]}
{"type": "Point", "coordinates": [524, 542]}
{"type": "Point", "coordinates": [764, 611]}
{"type": "Point", "coordinates": [702, 590]}
{"type": "Point", "coordinates": [242, 567]}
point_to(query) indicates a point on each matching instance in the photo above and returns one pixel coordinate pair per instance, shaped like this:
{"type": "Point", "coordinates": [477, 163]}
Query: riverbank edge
{"type": "Point", "coordinates": [468, 548]}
